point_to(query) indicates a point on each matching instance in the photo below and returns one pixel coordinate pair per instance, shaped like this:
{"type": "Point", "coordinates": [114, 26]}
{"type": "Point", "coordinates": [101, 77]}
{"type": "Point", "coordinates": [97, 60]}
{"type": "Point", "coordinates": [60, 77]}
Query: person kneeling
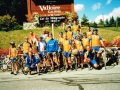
{"type": "Point", "coordinates": [32, 62]}
{"type": "Point", "coordinates": [89, 58]}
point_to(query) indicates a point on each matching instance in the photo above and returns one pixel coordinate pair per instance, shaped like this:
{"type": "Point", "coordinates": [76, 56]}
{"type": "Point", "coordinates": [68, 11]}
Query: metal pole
{"type": "Point", "coordinates": [103, 18]}
{"type": "Point", "coordinates": [53, 29]}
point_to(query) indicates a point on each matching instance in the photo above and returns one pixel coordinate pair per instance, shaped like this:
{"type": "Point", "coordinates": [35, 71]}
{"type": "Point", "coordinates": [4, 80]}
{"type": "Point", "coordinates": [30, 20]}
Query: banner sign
{"type": "Point", "coordinates": [52, 19]}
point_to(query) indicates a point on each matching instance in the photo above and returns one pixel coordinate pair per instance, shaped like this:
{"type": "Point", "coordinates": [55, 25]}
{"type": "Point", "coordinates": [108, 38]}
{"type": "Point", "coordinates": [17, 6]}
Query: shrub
{"type": "Point", "coordinates": [7, 23]}
{"type": "Point", "coordinates": [116, 41]}
{"type": "Point", "coordinates": [18, 27]}
{"type": "Point", "coordinates": [105, 42]}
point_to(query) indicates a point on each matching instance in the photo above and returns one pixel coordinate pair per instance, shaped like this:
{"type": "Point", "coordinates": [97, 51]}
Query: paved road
{"type": "Point", "coordinates": [72, 80]}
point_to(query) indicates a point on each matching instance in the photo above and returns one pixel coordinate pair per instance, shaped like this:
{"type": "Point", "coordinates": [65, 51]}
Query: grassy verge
{"type": "Point", "coordinates": [18, 35]}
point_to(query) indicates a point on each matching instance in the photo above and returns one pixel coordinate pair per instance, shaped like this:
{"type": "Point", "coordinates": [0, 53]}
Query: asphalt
{"type": "Point", "coordinates": [104, 79]}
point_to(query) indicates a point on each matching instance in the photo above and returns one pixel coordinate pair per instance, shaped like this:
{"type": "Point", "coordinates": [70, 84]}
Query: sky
{"type": "Point", "coordinates": [97, 9]}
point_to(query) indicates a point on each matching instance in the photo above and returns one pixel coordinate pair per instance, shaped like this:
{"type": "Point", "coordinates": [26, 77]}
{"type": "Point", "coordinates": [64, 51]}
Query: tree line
{"type": "Point", "coordinates": [17, 8]}
{"type": "Point", "coordinates": [112, 22]}
{"type": "Point", "coordinates": [12, 14]}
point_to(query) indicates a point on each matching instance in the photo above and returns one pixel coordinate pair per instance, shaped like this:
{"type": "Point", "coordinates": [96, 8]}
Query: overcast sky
{"type": "Point", "coordinates": [97, 9]}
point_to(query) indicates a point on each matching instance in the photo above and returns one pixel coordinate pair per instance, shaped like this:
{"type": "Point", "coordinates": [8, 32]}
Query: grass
{"type": "Point", "coordinates": [17, 36]}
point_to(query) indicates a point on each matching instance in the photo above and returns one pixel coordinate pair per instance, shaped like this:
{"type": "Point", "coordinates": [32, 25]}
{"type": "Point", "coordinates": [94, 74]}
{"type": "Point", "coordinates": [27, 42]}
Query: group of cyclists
{"type": "Point", "coordinates": [47, 52]}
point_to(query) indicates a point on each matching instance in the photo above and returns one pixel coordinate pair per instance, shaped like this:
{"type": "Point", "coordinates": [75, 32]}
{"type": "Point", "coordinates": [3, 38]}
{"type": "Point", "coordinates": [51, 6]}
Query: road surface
{"type": "Point", "coordinates": [72, 80]}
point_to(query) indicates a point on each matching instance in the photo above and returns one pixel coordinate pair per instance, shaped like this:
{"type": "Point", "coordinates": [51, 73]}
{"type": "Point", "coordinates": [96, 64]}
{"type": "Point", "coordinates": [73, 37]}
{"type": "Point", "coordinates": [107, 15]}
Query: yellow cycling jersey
{"type": "Point", "coordinates": [47, 39]}
{"type": "Point", "coordinates": [79, 45]}
{"type": "Point", "coordinates": [26, 47]}
{"type": "Point", "coordinates": [69, 35]}
{"type": "Point", "coordinates": [95, 40]}
{"type": "Point", "coordinates": [13, 52]}
{"type": "Point", "coordinates": [60, 40]}
{"type": "Point", "coordinates": [89, 34]}
{"type": "Point", "coordinates": [75, 28]}
{"type": "Point", "coordinates": [85, 42]}
{"type": "Point", "coordinates": [66, 45]}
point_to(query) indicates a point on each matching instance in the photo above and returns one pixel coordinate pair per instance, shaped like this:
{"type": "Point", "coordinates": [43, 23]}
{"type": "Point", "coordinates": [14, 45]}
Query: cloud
{"type": "Point", "coordinates": [108, 2]}
{"type": "Point", "coordinates": [78, 7]}
{"type": "Point", "coordinates": [96, 6]}
{"type": "Point", "coordinates": [115, 13]}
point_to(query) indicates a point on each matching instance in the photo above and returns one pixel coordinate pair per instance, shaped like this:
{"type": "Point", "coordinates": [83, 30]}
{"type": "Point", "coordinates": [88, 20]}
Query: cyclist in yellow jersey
{"type": "Point", "coordinates": [77, 34]}
{"type": "Point", "coordinates": [60, 42]}
{"type": "Point", "coordinates": [79, 46]}
{"type": "Point", "coordinates": [76, 27]}
{"type": "Point", "coordinates": [85, 41]}
{"type": "Point", "coordinates": [61, 38]}
{"type": "Point", "coordinates": [96, 42]}
{"type": "Point", "coordinates": [89, 32]}
{"type": "Point", "coordinates": [47, 38]}
{"type": "Point", "coordinates": [67, 52]}
{"type": "Point", "coordinates": [13, 58]}
{"type": "Point", "coordinates": [69, 33]}
{"type": "Point", "coordinates": [60, 48]}
{"type": "Point", "coordinates": [27, 47]}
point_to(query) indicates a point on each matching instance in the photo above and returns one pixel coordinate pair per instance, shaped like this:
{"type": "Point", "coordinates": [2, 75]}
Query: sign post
{"type": "Point", "coordinates": [53, 30]}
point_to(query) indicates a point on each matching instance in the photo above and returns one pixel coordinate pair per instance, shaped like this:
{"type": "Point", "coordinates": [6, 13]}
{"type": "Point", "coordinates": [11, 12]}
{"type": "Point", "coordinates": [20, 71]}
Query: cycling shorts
{"type": "Point", "coordinates": [67, 54]}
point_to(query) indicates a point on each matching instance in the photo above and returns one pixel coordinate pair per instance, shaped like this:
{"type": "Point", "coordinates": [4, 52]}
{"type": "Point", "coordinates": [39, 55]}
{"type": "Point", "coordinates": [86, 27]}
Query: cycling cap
{"type": "Point", "coordinates": [60, 32]}
{"type": "Point", "coordinates": [12, 43]}
{"type": "Point", "coordinates": [69, 26]}
{"type": "Point", "coordinates": [95, 29]}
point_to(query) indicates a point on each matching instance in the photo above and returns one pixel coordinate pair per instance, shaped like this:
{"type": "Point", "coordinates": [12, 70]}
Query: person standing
{"type": "Point", "coordinates": [80, 55]}
{"type": "Point", "coordinates": [26, 46]}
{"type": "Point", "coordinates": [52, 48]}
{"type": "Point", "coordinates": [69, 33]}
{"type": "Point", "coordinates": [96, 42]}
{"type": "Point", "coordinates": [89, 32]}
{"type": "Point", "coordinates": [41, 45]}
{"type": "Point", "coordinates": [13, 58]}
{"type": "Point", "coordinates": [32, 37]}
{"type": "Point", "coordinates": [85, 41]}
{"type": "Point", "coordinates": [60, 48]}
{"type": "Point", "coordinates": [67, 52]}
{"type": "Point", "coordinates": [76, 27]}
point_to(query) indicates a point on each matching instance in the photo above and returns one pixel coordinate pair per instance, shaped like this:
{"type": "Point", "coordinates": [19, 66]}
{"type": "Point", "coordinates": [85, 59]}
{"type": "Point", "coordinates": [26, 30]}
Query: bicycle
{"type": "Point", "coordinates": [5, 63]}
